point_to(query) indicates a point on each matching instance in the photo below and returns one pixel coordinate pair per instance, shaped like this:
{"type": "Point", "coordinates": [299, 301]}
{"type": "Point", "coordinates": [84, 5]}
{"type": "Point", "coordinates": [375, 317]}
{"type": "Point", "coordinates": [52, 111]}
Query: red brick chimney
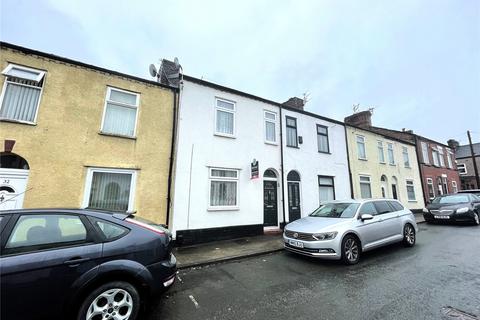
{"type": "Point", "coordinates": [360, 119]}
{"type": "Point", "coordinates": [294, 102]}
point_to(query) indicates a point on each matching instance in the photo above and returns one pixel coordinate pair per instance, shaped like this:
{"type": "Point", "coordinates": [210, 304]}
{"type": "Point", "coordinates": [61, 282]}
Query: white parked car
{"type": "Point", "coordinates": [345, 229]}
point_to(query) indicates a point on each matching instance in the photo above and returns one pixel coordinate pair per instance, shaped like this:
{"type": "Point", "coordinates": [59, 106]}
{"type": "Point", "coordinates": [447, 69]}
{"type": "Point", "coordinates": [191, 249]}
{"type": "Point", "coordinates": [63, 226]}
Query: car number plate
{"type": "Point", "coordinates": [294, 243]}
{"type": "Point", "coordinates": [442, 217]}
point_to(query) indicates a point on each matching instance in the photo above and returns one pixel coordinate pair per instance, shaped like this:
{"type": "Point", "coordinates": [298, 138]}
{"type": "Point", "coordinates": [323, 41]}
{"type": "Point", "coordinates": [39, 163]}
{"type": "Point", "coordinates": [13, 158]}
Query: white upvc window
{"type": "Point", "coordinates": [365, 187]}
{"type": "Point", "coordinates": [223, 192]}
{"type": "Point", "coordinates": [454, 186]}
{"type": "Point", "coordinates": [120, 112]}
{"type": "Point", "coordinates": [270, 127]}
{"type": "Point", "coordinates": [411, 191]}
{"type": "Point", "coordinates": [406, 160]}
{"type": "Point", "coordinates": [362, 154]}
{"type": "Point", "coordinates": [462, 169]}
{"type": "Point", "coordinates": [21, 93]}
{"type": "Point", "coordinates": [224, 117]}
{"type": "Point", "coordinates": [110, 189]}
{"type": "Point", "coordinates": [440, 156]}
{"type": "Point", "coordinates": [391, 156]}
{"type": "Point", "coordinates": [425, 157]}
{"type": "Point", "coordinates": [435, 156]}
{"type": "Point", "coordinates": [381, 154]}
{"type": "Point", "coordinates": [449, 159]}
{"type": "Point", "coordinates": [431, 190]}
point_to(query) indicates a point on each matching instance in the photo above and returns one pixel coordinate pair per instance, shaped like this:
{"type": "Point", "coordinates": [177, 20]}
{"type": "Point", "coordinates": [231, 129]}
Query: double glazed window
{"type": "Point", "coordinates": [462, 169]}
{"type": "Point", "coordinates": [410, 191]}
{"type": "Point", "coordinates": [381, 154]}
{"type": "Point", "coordinates": [449, 159]}
{"type": "Point", "coordinates": [431, 190]}
{"type": "Point", "coordinates": [454, 187]}
{"type": "Point", "coordinates": [110, 189]}
{"type": "Point", "coordinates": [224, 117]}
{"type": "Point", "coordinates": [326, 188]}
{"type": "Point", "coordinates": [292, 139]}
{"type": "Point", "coordinates": [21, 93]}
{"type": "Point", "coordinates": [322, 139]}
{"type": "Point", "coordinates": [365, 187]}
{"type": "Point", "coordinates": [361, 148]}
{"type": "Point", "coordinates": [440, 156]}
{"type": "Point", "coordinates": [223, 188]}
{"type": "Point", "coordinates": [436, 157]}
{"type": "Point", "coordinates": [425, 157]}
{"type": "Point", "coordinates": [270, 126]}
{"type": "Point", "coordinates": [120, 116]}
{"type": "Point", "coordinates": [391, 156]}
{"type": "Point", "coordinates": [406, 160]}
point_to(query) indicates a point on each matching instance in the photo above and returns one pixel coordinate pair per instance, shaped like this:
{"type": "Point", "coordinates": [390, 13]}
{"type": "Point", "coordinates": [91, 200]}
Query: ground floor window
{"type": "Point", "coordinates": [454, 187]}
{"type": "Point", "coordinates": [223, 188]}
{"type": "Point", "coordinates": [365, 187]}
{"type": "Point", "coordinates": [431, 191]}
{"type": "Point", "coordinates": [410, 191]}
{"type": "Point", "coordinates": [445, 184]}
{"type": "Point", "coordinates": [326, 188]}
{"type": "Point", "coordinates": [110, 189]}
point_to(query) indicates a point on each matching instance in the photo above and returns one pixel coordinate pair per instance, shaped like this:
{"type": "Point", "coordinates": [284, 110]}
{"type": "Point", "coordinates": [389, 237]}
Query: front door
{"type": "Point", "coordinates": [293, 201]}
{"type": "Point", "coordinates": [394, 191]}
{"type": "Point", "coordinates": [270, 214]}
{"type": "Point", "coordinates": [13, 185]}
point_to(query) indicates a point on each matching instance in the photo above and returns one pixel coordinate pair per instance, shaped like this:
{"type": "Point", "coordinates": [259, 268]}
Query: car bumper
{"type": "Point", "coordinates": [452, 218]}
{"type": "Point", "coordinates": [328, 249]}
{"type": "Point", "coordinates": [164, 274]}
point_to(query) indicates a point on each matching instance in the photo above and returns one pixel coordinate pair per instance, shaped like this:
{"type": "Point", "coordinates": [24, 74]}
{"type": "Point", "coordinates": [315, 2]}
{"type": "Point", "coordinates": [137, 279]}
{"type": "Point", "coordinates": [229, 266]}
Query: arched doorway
{"type": "Point", "coordinates": [394, 188]}
{"type": "Point", "coordinates": [384, 186]}
{"type": "Point", "coordinates": [293, 184]}
{"type": "Point", "coordinates": [270, 202]}
{"type": "Point", "coordinates": [13, 180]}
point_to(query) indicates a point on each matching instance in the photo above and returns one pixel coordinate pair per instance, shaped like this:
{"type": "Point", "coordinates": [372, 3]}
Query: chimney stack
{"type": "Point", "coordinates": [452, 143]}
{"type": "Point", "coordinates": [360, 119]}
{"type": "Point", "coordinates": [295, 103]}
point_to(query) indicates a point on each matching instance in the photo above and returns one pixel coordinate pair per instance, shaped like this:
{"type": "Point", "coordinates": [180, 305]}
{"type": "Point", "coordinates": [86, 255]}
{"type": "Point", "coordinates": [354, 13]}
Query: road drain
{"type": "Point", "coordinates": [458, 314]}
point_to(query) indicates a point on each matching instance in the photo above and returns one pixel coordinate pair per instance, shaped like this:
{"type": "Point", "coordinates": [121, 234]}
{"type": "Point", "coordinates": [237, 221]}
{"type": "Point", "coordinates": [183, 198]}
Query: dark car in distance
{"type": "Point", "coordinates": [461, 208]}
{"type": "Point", "coordinates": [80, 264]}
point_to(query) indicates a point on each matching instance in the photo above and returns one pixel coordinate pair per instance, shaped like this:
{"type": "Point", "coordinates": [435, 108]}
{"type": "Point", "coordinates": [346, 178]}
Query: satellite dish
{"type": "Point", "coordinates": [153, 70]}
{"type": "Point", "coordinates": [177, 64]}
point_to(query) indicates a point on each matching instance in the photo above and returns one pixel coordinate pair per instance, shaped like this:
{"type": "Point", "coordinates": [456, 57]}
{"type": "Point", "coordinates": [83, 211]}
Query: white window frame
{"type": "Point", "coordinates": [430, 183]}
{"type": "Point", "coordinates": [222, 179]}
{"type": "Point", "coordinates": [426, 158]}
{"type": "Point", "coordinates": [462, 168]}
{"type": "Point", "coordinates": [449, 159]}
{"type": "Point", "coordinates": [274, 122]}
{"type": "Point", "coordinates": [88, 185]}
{"type": "Point", "coordinates": [406, 157]}
{"type": "Point", "coordinates": [410, 183]}
{"type": "Point", "coordinates": [441, 156]}
{"type": "Point", "coordinates": [390, 147]}
{"type": "Point", "coordinates": [364, 182]}
{"type": "Point", "coordinates": [41, 75]}
{"type": "Point", "coordinates": [233, 112]}
{"type": "Point", "coordinates": [454, 186]}
{"type": "Point", "coordinates": [436, 157]}
{"type": "Point", "coordinates": [364, 142]}
{"type": "Point", "coordinates": [381, 149]}
{"type": "Point", "coordinates": [126, 105]}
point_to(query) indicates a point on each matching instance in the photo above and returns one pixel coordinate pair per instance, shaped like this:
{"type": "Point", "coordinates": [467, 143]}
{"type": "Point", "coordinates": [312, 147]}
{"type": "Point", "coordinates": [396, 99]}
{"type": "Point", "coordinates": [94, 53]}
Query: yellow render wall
{"type": "Point", "coordinates": [66, 139]}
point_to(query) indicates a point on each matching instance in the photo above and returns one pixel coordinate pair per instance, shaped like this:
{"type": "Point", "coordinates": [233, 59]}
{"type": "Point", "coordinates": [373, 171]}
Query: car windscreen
{"type": "Point", "coordinates": [457, 198]}
{"type": "Point", "coordinates": [336, 210]}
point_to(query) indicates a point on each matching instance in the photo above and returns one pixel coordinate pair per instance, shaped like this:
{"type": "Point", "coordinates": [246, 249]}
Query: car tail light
{"type": "Point", "coordinates": [146, 226]}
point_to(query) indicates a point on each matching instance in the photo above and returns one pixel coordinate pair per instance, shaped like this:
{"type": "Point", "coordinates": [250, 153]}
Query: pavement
{"type": "Point", "coordinates": [222, 251]}
{"type": "Point", "coordinates": [437, 279]}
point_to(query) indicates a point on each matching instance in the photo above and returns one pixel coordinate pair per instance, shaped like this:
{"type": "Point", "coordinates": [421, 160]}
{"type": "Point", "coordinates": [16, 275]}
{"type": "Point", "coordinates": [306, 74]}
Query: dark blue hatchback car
{"type": "Point", "coordinates": [80, 264]}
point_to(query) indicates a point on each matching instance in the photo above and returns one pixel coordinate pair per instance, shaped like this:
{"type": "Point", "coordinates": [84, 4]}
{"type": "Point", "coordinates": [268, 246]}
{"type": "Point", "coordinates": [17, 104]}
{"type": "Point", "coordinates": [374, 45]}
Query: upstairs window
{"type": "Point", "coordinates": [224, 117]}
{"type": "Point", "coordinates": [391, 156]}
{"type": "Point", "coordinates": [292, 139]}
{"type": "Point", "coordinates": [462, 169]}
{"type": "Point", "coordinates": [425, 157]}
{"type": "Point", "coordinates": [270, 126]}
{"type": "Point", "coordinates": [440, 156]}
{"type": "Point", "coordinates": [322, 139]}
{"type": "Point", "coordinates": [449, 159]}
{"type": "Point", "coordinates": [21, 93]}
{"type": "Point", "coordinates": [381, 154]}
{"type": "Point", "coordinates": [406, 160]}
{"type": "Point", "coordinates": [361, 148]}
{"type": "Point", "coordinates": [120, 115]}
{"type": "Point", "coordinates": [436, 158]}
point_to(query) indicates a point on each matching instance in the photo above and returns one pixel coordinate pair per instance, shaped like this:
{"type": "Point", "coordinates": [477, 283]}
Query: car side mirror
{"type": "Point", "coordinates": [366, 216]}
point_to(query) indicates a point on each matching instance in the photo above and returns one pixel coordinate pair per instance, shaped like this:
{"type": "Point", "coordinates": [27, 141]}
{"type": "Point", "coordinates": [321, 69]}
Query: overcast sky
{"type": "Point", "coordinates": [416, 62]}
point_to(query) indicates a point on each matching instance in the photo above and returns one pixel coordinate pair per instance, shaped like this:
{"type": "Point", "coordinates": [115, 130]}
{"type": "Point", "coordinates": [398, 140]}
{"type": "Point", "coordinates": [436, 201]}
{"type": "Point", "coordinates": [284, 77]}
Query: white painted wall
{"type": "Point", "coordinates": [310, 163]}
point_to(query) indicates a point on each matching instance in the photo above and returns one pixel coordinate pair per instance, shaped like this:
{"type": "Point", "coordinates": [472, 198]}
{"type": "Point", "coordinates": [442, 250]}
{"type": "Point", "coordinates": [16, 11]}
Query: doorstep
{"type": "Point", "coordinates": [220, 251]}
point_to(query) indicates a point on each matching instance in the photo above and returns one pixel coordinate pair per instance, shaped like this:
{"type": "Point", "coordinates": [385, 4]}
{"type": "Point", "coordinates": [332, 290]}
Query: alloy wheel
{"type": "Point", "coordinates": [113, 304]}
{"type": "Point", "coordinates": [409, 234]}
{"type": "Point", "coordinates": [351, 250]}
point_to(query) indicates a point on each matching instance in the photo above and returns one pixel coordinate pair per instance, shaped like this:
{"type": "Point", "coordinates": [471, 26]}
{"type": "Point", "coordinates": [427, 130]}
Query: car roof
{"type": "Point", "coordinates": [360, 201]}
{"type": "Point", "coordinates": [61, 210]}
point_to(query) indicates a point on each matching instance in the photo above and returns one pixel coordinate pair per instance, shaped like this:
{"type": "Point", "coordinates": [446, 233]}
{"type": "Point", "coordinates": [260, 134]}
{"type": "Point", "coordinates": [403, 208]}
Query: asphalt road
{"type": "Point", "coordinates": [394, 282]}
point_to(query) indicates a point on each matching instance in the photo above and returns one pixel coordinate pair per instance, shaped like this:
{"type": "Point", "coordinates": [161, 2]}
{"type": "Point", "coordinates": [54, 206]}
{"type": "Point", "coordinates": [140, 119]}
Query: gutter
{"type": "Point", "coordinates": [420, 171]}
{"type": "Point", "coordinates": [348, 161]}
{"type": "Point", "coordinates": [281, 169]}
{"type": "Point", "coordinates": [172, 152]}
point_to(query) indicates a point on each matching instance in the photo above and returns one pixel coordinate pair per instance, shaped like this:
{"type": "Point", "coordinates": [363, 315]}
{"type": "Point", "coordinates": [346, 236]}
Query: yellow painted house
{"type": "Point", "coordinates": [383, 167]}
{"type": "Point", "coordinates": [76, 135]}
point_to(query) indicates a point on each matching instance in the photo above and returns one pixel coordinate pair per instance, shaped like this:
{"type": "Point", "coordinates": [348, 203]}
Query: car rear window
{"type": "Point", "coordinates": [110, 230]}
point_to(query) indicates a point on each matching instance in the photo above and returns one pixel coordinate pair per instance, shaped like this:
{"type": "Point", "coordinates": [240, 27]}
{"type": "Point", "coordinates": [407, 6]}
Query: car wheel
{"type": "Point", "coordinates": [409, 236]}
{"type": "Point", "coordinates": [476, 219]}
{"type": "Point", "coordinates": [350, 250]}
{"type": "Point", "coordinates": [113, 301]}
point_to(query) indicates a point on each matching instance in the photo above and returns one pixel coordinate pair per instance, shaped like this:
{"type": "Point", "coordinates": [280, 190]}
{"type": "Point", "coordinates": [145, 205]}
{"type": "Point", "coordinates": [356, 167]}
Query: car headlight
{"type": "Point", "coordinates": [325, 235]}
{"type": "Point", "coordinates": [463, 210]}
{"type": "Point", "coordinates": [425, 210]}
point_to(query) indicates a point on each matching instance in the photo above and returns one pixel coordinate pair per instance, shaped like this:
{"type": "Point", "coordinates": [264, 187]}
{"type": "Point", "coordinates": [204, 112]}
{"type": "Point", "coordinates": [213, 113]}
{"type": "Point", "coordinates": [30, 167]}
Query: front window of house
{"type": "Point", "coordinates": [110, 189]}
{"type": "Point", "coordinates": [381, 154]}
{"type": "Point", "coordinates": [120, 116]}
{"type": "Point", "coordinates": [326, 188]}
{"type": "Point", "coordinates": [406, 160]}
{"type": "Point", "coordinates": [322, 139]}
{"type": "Point", "coordinates": [431, 191]}
{"type": "Point", "coordinates": [361, 148]}
{"type": "Point", "coordinates": [292, 139]}
{"type": "Point", "coordinates": [365, 187]}
{"type": "Point", "coordinates": [21, 93]}
{"type": "Point", "coordinates": [223, 188]}
{"type": "Point", "coordinates": [410, 191]}
{"type": "Point", "coordinates": [454, 186]}
{"type": "Point", "coordinates": [391, 157]}
{"type": "Point", "coordinates": [270, 125]}
{"type": "Point", "coordinates": [224, 117]}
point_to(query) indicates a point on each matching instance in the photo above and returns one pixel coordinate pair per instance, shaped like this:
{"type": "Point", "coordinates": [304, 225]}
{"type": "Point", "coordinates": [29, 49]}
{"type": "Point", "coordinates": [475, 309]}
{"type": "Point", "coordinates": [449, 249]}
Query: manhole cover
{"type": "Point", "coordinates": [458, 314]}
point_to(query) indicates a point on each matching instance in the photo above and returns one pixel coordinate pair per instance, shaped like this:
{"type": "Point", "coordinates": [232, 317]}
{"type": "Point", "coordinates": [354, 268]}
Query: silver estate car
{"type": "Point", "coordinates": [345, 229]}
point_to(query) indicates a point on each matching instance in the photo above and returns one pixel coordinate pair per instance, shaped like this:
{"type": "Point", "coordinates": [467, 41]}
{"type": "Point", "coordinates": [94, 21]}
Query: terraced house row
{"type": "Point", "coordinates": [209, 161]}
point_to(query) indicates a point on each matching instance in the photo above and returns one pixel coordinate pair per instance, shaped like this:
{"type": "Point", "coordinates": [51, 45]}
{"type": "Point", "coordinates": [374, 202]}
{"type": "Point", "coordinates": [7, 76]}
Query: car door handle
{"type": "Point", "coordinates": [75, 261]}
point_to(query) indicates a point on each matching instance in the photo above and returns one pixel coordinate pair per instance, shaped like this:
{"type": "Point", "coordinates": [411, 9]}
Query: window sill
{"type": "Point", "coordinates": [224, 135]}
{"type": "Point", "coordinates": [294, 147]}
{"type": "Point", "coordinates": [28, 123]}
{"type": "Point", "coordinates": [382, 163]}
{"type": "Point", "coordinates": [116, 135]}
{"type": "Point", "coordinates": [324, 152]}
{"type": "Point", "coordinates": [271, 143]}
{"type": "Point", "coordinates": [223, 208]}
{"type": "Point", "coordinates": [408, 167]}
{"type": "Point", "coordinates": [412, 201]}
{"type": "Point", "coordinates": [392, 164]}
{"type": "Point", "coordinates": [363, 159]}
